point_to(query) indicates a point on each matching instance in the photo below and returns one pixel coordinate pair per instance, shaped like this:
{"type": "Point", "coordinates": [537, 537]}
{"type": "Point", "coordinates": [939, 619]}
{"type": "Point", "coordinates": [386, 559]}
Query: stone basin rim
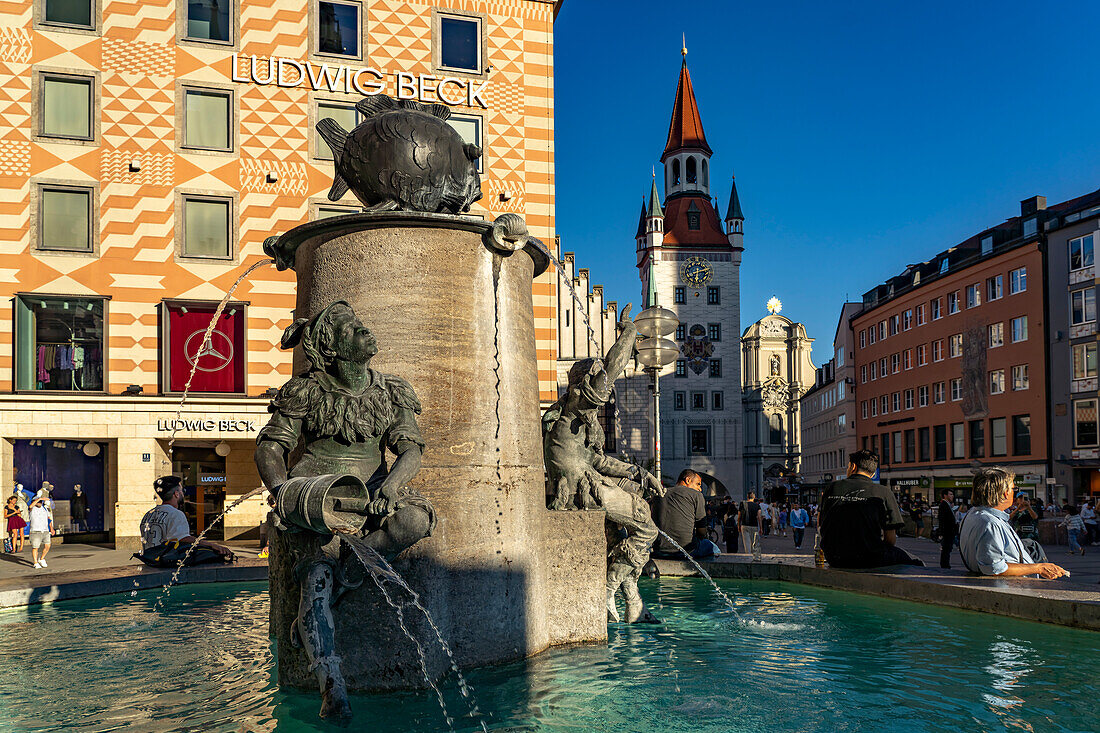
{"type": "Point", "coordinates": [284, 247]}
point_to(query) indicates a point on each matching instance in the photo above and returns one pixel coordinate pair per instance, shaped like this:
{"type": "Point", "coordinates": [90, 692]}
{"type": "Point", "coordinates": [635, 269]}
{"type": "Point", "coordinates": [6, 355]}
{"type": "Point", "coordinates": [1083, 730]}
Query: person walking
{"type": "Point", "coordinates": [782, 519]}
{"type": "Point", "coordinates": [13, 520]}
{"type": "Point", "coordinates": [752, 526]}
{"type": "Point", "coordinates": [798, 518]}
{"type": "Point", "coordinates": [41, 528]}
{"type": "Point", "coordinates": [1075, 528]}
{"type": "Point", "coordinates": [765, 518]}
{"type": "Point", "coordinates": [948, 528]}
{"type": "Point", "coordinates": [1092, 531]}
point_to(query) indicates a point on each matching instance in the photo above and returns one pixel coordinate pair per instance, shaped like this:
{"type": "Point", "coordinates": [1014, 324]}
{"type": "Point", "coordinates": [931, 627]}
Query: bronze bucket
{"type": "Point", "coordinates": [321, 503]}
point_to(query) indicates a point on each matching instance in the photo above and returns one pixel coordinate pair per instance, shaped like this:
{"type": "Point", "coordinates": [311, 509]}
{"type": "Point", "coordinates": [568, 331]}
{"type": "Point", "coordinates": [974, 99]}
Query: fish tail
{"type": "Point", "coordinates": [335, 137]}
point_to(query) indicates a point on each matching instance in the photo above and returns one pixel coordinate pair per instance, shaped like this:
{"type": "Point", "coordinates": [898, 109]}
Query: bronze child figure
{"type": "Point", "coordinates": [336, 421]}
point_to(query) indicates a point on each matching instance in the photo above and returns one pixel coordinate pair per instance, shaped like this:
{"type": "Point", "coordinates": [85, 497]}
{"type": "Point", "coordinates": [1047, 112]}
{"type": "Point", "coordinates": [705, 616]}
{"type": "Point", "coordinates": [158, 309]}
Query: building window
{"type": "Point", "coordinates": [997, 381]}
{"type": "Point", "coordinates": [897, 446]}
{"type": "Point", "coordinates": [841, 422]}
{"type": "Point", "coordinates": [987, 245]}
{"type": "Point", "coordinates": [678, 296]}
{"type": "Point", "coordinates": [922, 355]}
{"type": "Point", "coordinates": [717, 401]}
{"type": "Point", "coordinates": [1082, 306]}
{"type": "Point", "coordinates": [469, 128]}
{"type": "Point", "coordinates": [209, 20]}
{"type": "Point", "coordinates": [59, 343]}
{"type": "Point", "coordinates": [1030, 226]}
{"type": "Point", "coordinates": [953, 302]}
{"type": "Point", "coordinates": [909, 399]}
{"type": "Point", "coordinates": [863, 339]}
{"type": "Point", "coordinates": [945, 263]}
{"type": "Point", "coordinates": [1084, 423]}
{"type": "Point", "coordinates": [338, 28]}
{"type": "Point", "coordinates": [956, 389]}
{"type": "Point", "coordinates": [977, 439]}
{"type": "Point", "coordinates": [973, 296]}
{"type": "Point", "coordinates": [938, 392]}
{"type": "Point", "coordinates": [895, 363]}
{"type": "Point", "coordinates": [208, 119]}
{"type": "Point", "coordinates": [907, 319]}
{"type": "Point", "coordinates": [935, 305]}
{"type": "Point", "coordinates": [955, 345]}
{"type": "Point", "coordinates": [714, 331]}
{"type": "Point", "coordinates": [994, 287]}
{"type": "Point", "coordinates": [874, 407]}
{"type": "Point", "coordinates": [998, 436]}
{"type": "Point", "coordinates": [922, 395]}
{"type": "Point", "coordinates": [839, 391]}
{"type": "Point", "coordinates": [1021, 435]}
{"type": "Point", "coordinates": [698, 400]}
{"type": "Point", "coordinates": [715, 367]}
{"type": "Point", "coordinates": [1084, 360]}
{"type": "Point", "coordinates": [68, 13]}
{"type": "Point", "coordinates": [884, 405]}
{"type": "Point", "coordinates": [714, 295]}
{"type": "Point", "coordinates": [1080, 252]}
{"type": "Point", "coordinates": [681, 368]}
{"type": "Point", "coordinates": [775, 429]}
{"type": "Point", "coordinates": [65, 218]}
{"type": "Point", "coordinates": [460, 43]}
{"type": "Point", "coordinates": [896, 400]}
{"type": "Point", "coordinates": [937, 350]}
{"type": "Point", "coordinates": [67, 105]}
{"type": "Point", "coordinates": [680, 332]}
{"type": "Point", "coordinates": [344, 115]}
{"type": "Point", "coordinates": [882, 330]}
{"type": "Point", "coordinates": [863, 374]}
{"type": "Point", "coordinates": [863, 409]}
{"type": "Point", "coordinates": [699, 441]}
{"type": "Point", "coordinates": [996, 335]}
{"type": "Point", "coordinates": [895, 324]}
{"type": "Point", "coordinates": [679, 400]}
{"type": "Point", "coordinates": [206, 227]}
{"type": "Point", "coordinates": [886, 448]}
{"type": "Point", "coordinates": [872, 335]}
{"type": "Point", "coordinates": [1020, 379]}
{"type": "Point", "coordinates": [220, 364]}
{"type": "Point", "coordinates": [840, 357]}
{"type": "Point", "coordinates": [920, 314]}
{"type": "Point", "coordinates": [1017, 281]}
{"type": "Point", "coordinates": [939, 443]}
{"type": "Point", "coordinates": [910, 446]}
{"type": "Point", "coordinates": [874, 370]}
{"type": "Point", "coordinates": [958, 442]}
{"type": "Point", "coordinates": [1019, 329]}
{"type": "Point", "coordinates": [882, 367]}
{"type": "Point", "coordinates": [907, 359]}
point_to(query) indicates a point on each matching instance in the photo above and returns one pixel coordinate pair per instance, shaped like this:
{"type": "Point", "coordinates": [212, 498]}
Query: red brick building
{"type": "Point", "coordinates": [950, 364]}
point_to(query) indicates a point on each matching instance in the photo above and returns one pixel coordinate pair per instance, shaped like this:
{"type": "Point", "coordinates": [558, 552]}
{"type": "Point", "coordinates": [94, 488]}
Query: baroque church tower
{"type": "Point", "coordinates": [689, 261]}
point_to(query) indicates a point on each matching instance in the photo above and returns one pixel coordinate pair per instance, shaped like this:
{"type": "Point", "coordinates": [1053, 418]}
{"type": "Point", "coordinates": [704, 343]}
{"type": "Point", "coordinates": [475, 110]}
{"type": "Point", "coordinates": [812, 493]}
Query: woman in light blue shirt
{"type": "Point", "coordinates": [987, 542]}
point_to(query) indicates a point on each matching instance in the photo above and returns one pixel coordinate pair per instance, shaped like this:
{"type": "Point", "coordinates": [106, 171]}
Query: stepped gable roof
{"type": "Point", "coordinates": [709, 232]}
{"type": "Point", "coordinates": [641, 223]}
{"type": "Point", "coordinates": [734, 209]}
{"type": "Point", "coordinates": [686, 128]}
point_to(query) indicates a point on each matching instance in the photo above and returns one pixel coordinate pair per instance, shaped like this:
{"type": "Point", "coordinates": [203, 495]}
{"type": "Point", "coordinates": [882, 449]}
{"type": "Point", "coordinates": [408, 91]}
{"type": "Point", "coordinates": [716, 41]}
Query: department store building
{"type": "Point", "coordinates": [146, 151]}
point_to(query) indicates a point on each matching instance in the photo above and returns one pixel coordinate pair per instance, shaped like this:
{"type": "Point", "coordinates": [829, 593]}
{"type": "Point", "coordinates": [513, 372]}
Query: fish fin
{"type": "Point", "coordinates": [441, 111]}
{"type": "Point", "coordinates": [334, 136]}
{"type": "Point", "coordinates": [376, 105]}
{"type": "Point", "coordinates": [339, 187]}
{"type": "Point", "coordinates": [473, 152]}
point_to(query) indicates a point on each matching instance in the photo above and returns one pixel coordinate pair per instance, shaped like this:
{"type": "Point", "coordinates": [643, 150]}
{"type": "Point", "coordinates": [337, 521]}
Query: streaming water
{"type": "Point", "coordinates": [703, 573]}
{"type": "Point", "coordinates": [381, 571]}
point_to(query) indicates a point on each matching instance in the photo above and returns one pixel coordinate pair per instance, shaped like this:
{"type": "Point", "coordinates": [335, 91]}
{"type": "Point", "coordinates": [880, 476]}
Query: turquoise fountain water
{"type": "Point", "coordinates": [821, 661]}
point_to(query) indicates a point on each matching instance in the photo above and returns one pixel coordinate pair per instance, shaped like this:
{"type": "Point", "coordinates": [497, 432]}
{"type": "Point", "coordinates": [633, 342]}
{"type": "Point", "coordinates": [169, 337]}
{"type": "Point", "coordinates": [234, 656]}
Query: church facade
{"type": "Point", "coordinates": [689, 261]}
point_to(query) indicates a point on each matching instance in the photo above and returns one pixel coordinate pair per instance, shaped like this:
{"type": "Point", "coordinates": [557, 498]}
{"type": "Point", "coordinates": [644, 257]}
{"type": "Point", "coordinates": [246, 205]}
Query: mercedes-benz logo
{"type": "Point", "coordinates": [216, 356]}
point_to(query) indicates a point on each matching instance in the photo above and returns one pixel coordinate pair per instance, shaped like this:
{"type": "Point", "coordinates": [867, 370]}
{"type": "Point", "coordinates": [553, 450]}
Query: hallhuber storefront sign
{"type": "Point", "coordinates": [450, 90]}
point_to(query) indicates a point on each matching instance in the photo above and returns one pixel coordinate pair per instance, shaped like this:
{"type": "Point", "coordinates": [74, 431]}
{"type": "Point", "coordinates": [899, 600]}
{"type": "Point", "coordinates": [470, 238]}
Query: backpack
{"type": "Point", "coordinates": [169, 555]}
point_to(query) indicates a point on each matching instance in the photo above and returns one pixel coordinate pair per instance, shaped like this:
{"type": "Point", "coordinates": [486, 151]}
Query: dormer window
{"type": "Point", "coordinates": [1030, 226]}
{"type": "Point", "coordinates": [693, 216]}
{"type": "Point", "coordinates": [944, 265]}
{"type": "Point", "coordinates": [987, 245]}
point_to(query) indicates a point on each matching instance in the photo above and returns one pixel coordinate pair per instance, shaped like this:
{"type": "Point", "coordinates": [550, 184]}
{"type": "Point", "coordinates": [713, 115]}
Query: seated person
{"type": "Point", "coordinates": [682, 514]}
{"type": "Point", "coordinates": [859, 519]}
{"type": "Point", "coordinates": [987, 543]}
{"type": "Point", "coordinates": [166, 523]}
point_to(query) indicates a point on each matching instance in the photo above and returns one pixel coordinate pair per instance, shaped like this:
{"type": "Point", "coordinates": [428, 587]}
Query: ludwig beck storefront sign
{"type": "Point", "coordinates": [428, 88]}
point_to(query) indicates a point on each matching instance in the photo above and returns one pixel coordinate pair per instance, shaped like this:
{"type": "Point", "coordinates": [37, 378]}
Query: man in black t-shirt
{"type": "Point", "coordinates": [860, 519]}
{"type": "Point", "coordinates": [682, 514]}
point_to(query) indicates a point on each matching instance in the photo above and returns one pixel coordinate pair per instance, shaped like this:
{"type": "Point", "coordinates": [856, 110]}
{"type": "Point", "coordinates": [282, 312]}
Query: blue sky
{"type": "Point", "coordinates": [864, 135]}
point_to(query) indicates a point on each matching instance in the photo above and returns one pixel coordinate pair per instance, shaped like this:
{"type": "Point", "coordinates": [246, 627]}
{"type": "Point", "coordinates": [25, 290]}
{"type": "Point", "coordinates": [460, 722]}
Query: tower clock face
{"type": "Point", "coordinates": [696, 271]}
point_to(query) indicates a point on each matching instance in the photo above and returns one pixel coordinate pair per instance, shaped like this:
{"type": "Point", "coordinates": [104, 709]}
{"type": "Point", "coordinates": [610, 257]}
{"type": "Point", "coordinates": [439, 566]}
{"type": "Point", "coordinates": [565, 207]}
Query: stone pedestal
{"type": "Point", "coordinates": [503, 577]}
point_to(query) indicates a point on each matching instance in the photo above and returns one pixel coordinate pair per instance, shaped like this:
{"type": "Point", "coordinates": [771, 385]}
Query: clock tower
{"type": "Point", "coordinates": [689, 261]}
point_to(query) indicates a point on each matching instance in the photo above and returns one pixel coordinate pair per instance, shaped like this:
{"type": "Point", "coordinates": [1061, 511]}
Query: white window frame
{"type": "Point", "coordinates": [995, 287]}
{"type": "Point", "coordinates": [996, 335]}
{"type": "Point", "coordinates": [1017, 281]}
{"type": "Point", "coordinates": [1087, 260]}
{"type": "Point", "coordinates": [956, 389]}
{"type": "Point", "coordinates": [909, 399]}
{"type": "Point", "coordinates": [939, 390]}
{"type": "Point", "coordinates": [922, 395]}
{"type": "Point", "coordinates": [997, 381]}
{"type": "Point", "coordinates": [937, 309]}
{"type": "Point", "coordinates": [1078, 405]}
{"type": "Point", "coordinates": [1084, 348]}
{"type": "Point", "coordinates": [1083, 294]}
{"type": "Point", "coordinates": [973, 295]}
{"type": "Point", "coordinates": [920, 314]}
{"type": "Point", "coordinates": [953, 305]}
{"type": "Point", "coordinates": [1023, 332]}
{"type": "Point", "coordinates": [955, 346]}
{"type": "Point", "coordinates": [1020, 378]}
{"type": "Point", "coordinates": [922, 355]}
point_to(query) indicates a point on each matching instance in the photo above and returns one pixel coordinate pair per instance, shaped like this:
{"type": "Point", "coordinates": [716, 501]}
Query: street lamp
{"type": "Point", "coordinates": [654, 352]}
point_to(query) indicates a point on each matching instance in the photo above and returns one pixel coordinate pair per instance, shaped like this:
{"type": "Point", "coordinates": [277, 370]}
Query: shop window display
{"type": "Point", "coordinates": [65, 464]}
{"type": "Point", "coordinates": [220, 365]}
{"type": "Point", "coordinates": [59, 343]}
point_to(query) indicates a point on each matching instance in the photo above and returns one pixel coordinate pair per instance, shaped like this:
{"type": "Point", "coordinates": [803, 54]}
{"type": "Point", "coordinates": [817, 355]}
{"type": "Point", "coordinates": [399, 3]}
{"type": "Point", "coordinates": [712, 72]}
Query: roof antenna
{"type": "Point", "coordinates": [684, 45]}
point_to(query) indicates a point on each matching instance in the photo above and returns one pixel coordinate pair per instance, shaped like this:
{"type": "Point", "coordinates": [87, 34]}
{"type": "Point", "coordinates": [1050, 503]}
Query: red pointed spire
{"type": "Point", "coordinates": [686, 128]}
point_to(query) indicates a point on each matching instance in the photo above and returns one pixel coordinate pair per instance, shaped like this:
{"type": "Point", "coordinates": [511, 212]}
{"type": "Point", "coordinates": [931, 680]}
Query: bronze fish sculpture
{"type": "Point", "coordinates": [403, 156]}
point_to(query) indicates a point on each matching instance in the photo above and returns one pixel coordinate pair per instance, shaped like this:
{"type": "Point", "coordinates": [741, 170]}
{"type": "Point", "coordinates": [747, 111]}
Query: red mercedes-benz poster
{"type": "Point", "coordinates": [219, 364]}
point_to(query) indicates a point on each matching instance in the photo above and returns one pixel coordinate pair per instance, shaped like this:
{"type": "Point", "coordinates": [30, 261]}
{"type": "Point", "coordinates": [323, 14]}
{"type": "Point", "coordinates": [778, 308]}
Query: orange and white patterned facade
{"type": "Point", "coordinates": [273, 175]}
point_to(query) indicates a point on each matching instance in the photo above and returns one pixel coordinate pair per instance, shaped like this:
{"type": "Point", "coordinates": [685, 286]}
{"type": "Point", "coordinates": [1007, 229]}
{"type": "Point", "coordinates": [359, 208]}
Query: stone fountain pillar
{"type": "Point", "coordinates": [449, 300]}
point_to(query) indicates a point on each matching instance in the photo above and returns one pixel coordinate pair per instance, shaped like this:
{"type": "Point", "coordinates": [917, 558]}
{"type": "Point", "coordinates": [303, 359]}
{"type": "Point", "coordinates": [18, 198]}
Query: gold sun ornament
{"type": "Point", "coordinates": [774, 306]}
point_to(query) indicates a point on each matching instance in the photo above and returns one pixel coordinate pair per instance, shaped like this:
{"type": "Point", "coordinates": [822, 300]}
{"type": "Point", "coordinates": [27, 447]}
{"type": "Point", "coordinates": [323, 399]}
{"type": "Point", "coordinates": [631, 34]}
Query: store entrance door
{"type": "Point", "coordinates": [203, 474]}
